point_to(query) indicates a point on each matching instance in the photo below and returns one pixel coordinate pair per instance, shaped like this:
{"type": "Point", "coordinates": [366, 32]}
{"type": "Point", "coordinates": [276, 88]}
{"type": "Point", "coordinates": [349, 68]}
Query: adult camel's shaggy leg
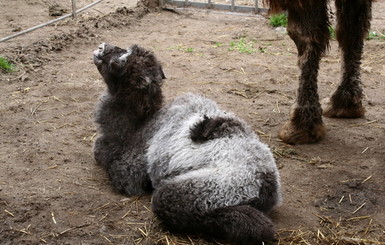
{"type": "Point", "coordinates": [353, 24]}
{"type": "Point", "coordinates": [308, 27]}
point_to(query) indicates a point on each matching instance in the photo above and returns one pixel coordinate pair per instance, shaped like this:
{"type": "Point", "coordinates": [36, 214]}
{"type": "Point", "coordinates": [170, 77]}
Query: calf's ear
{"type": "Point", "coordinates": [161, 72]}
{"type": "Point", "coordinates": [124, 56]}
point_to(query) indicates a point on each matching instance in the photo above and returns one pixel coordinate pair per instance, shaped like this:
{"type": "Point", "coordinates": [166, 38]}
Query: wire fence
{"type": "Point", "coordinates": [235, 6]}
{"type": "Point", "coordinates": [232, 6]}
{"type": "Point", "coordinates": [73, 15]}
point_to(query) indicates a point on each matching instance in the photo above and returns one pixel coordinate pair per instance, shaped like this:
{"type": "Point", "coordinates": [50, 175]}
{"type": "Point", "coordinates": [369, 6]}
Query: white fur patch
{"type": "Point", "coordinates": [124, 56]}
{"type": "Point", "coordinates": [101, 48]}
{"type": "Point", "coordinates": [148, 80]}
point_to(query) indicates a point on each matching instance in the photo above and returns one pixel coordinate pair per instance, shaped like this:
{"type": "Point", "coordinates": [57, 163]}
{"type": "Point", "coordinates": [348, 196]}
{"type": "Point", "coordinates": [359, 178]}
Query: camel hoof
{"type": "Point", "coordinates": [328, 110]}
{"type": "Point", "coordinates": [290, 135]}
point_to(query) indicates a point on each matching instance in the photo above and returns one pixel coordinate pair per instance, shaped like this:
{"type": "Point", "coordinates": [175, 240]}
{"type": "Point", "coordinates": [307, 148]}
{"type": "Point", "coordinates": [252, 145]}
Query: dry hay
{"type": "Point", "coordinates": [343, 231]}
{"type": "Point", "coordinates": [333, 232]}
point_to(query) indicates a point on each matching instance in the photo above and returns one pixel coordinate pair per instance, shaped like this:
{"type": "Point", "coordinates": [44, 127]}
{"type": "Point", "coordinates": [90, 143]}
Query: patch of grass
{"type": "Point", "coordinates": [182, 48]}
{"type": "Point", "coordinates": [5, 65]}
{"type": "Point", "coordinates": [371, 34]}
{"type": "Point", "coordinates": [332, 32]}
{"type": "Point", "coordinates": [218, 44]}
{"type": "Point", "coordinates": [278, 20]}
{"type": "Point", "coordinates": [375, 35]}
{"type": "Point", "coordinates": [242, 46]}
{"type": "Point", "coordinates": [189, 50]}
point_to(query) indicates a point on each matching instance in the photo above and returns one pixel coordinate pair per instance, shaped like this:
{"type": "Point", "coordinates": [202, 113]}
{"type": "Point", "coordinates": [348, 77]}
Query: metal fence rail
{"type": "Point", "coordinates": [208, 4]}
{"type": "Point", "coordinates": [73, 14]}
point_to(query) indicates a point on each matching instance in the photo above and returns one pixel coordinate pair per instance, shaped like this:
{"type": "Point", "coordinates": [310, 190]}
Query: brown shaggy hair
{"type": "Point", "coordinates": [308, 27]}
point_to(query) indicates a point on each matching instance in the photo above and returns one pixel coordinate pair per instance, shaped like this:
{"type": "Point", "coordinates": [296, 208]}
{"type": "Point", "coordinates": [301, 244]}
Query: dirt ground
{"type": "Point", "coordinates": [51, 190]}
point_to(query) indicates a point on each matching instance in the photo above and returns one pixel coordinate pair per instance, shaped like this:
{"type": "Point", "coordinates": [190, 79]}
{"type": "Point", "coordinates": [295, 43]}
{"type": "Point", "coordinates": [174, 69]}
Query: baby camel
{"type": "Point", "coordinates": [208, 171]}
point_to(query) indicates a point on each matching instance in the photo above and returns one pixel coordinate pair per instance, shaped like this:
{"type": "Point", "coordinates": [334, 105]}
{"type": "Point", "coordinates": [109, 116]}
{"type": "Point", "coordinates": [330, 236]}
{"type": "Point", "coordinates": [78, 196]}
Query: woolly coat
{"type": "Point", "coordinates": [208, 171]}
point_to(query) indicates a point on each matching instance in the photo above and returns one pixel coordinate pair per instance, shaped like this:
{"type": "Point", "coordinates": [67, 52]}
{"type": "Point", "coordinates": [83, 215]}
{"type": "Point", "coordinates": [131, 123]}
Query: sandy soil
{"type": "Point", "coordinates": [51, 191]}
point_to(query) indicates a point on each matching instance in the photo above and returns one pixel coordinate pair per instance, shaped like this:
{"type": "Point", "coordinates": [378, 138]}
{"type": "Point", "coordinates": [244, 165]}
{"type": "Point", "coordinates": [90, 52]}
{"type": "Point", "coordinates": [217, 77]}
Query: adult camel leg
{"type": "Point", "coordinates": [353, 23]}
{"type": "Point", "coordinates": [308, 27]}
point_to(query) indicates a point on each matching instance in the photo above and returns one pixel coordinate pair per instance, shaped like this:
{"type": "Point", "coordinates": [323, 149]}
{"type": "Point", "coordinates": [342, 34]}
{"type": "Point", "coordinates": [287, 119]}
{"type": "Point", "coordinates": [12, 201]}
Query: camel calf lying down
{"type": "Point", "coordinates": [208, 171]}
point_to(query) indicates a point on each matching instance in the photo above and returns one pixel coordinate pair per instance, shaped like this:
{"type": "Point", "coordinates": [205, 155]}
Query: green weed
{"type": "Point", "coordinates": [371, 34]}
{"type": "Point", "coordinates": [218, 44]}
{"type": "Point", "coordinates": [332, 32]}
{"type": "Point", "coordinates": [278, 20]}
{"type": "Point", "coordinates": [375, 35]}
{"type": "Point", "coordinates": [242, 46]}
{"type": "Point", "coordinates": [5, 65]}
{"type": "Point", "coordinates": [182, 49]}
{"type": "Point", "coordinates": [189, 50]}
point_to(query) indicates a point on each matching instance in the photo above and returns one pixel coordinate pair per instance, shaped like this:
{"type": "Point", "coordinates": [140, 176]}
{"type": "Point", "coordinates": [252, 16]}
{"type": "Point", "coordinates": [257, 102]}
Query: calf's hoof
{"type": "Point", "coordinates": [290, 135]}
{"type": "Point", "coordinates": [354, 111]}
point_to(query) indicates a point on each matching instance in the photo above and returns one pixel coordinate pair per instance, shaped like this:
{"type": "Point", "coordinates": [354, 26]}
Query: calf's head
{"type": "Point", "coordinates": [129, 70]}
